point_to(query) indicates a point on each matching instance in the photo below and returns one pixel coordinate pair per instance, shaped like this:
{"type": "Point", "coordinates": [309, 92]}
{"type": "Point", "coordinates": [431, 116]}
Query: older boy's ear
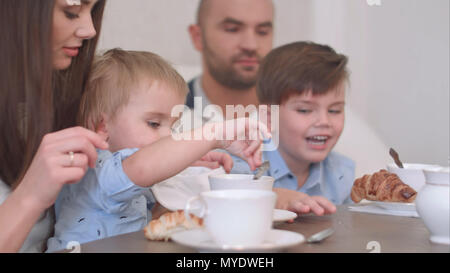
{"type": "Point", "coordinates": [196, 36]}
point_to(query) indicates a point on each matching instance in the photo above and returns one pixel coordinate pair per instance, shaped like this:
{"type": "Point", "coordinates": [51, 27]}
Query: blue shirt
{"type": "Point", "coordinates": [104, 203]}
{"type": "Point", "coordinates": [331, 178]}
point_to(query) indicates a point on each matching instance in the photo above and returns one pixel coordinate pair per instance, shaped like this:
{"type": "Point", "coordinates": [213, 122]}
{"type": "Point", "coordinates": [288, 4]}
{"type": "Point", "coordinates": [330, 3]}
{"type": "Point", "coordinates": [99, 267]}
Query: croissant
{"type": "Point", "coordinates": [382, 186]}
{"type": "Point", "coordinates": [170, 222]}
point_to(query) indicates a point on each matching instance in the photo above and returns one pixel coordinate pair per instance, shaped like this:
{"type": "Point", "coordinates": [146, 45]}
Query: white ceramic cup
{"type": "Point", "coordinates": [239, 181]}
{"type": "Point", "coordinates": [236, 217]}
{"type": "Point", "coordinates": [411, 173]}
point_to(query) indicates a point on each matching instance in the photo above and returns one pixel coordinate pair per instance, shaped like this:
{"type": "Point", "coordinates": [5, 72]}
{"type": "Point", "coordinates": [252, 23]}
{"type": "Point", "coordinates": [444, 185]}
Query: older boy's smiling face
{"type": "Point", "coordinates": [310, 125]}
{"type": "Point", "coordinates": [145, 119]}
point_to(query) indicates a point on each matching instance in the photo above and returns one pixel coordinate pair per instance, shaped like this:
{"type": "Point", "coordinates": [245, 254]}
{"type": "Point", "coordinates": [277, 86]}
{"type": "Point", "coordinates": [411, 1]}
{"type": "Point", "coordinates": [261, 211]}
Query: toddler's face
{"type": "Point", "coordinates": [145, 119]}
{"type": "Point", "coordinates": [311, 125]}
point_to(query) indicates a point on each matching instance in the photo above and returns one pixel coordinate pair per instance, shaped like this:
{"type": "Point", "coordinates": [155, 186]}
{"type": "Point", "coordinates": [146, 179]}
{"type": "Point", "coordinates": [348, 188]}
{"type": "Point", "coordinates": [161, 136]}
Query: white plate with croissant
{"type": "Point", "coordinates": [386, 186]}
{"type": "Point", "coordinates": [398, 206]}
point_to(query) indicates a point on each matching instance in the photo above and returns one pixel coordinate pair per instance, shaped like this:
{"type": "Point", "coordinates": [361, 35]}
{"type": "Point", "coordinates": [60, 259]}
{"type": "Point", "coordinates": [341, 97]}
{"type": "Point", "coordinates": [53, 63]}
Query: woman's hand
{"type": "Point", "coordinates": [54, 164]}
{"type": "Point", "coordinates": [214, 160]}
{"type": "Point", "coordinates": [302, 203]}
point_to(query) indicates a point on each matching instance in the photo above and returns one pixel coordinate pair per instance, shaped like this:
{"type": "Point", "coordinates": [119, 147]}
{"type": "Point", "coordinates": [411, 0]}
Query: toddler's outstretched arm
{"type": "Point", "coordinates": [170, 155]}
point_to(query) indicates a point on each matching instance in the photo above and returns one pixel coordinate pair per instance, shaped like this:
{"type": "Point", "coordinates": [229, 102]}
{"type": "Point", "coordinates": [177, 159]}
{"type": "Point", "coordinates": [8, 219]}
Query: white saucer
{"type": "Point", "coordinates": [398, 206]}
{"type": "Point", "coordinates": [280, 215]}
{"type": "Point", "coordinates": [201, 240]}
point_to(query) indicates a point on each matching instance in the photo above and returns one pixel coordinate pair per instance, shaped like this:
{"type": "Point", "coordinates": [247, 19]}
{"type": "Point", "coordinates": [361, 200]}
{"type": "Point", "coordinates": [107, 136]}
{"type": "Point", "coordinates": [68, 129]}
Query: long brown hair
{"type": "Point", "coordinates": [35, 100]}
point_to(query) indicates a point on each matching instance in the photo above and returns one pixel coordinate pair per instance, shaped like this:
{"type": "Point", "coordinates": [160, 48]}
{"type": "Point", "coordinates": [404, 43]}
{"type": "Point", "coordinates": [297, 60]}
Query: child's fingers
{"type": "Point", "coordinates": [315, 207]}
{"type": "Point", "coordinates": [299, 207]}
{"type": "Point", "coordinates": [250, 163]}
{"type": "Point", "coordinates": [228, 164]}
{"type": "Point", "coordinates": [224, 159]}
{"type": "Point", "coordinates": [216, 159]}
{"type": "Point", "coordinates": [328, 206]}
{"type": "Point", "coordinates": [253, 148]}
{"type": "Point", "coordinates": [264, 132]}
{"type": "Point", "coordinates": [257, 157]}
{"type": "Point", "coordinates": [256, 128]}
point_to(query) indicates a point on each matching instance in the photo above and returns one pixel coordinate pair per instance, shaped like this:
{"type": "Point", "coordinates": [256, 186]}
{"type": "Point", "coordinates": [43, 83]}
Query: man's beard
{"type": "Point", "coordinates": [225, 74]}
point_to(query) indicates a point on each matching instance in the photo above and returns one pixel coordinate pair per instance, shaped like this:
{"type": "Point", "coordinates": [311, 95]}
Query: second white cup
{"type": "Point", "coordinates": [239, 181]}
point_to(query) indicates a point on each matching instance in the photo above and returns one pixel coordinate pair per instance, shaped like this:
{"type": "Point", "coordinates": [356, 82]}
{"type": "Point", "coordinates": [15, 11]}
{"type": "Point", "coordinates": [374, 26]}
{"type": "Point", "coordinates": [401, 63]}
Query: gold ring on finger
{"type": "Point", "coordinates": [71, 157]}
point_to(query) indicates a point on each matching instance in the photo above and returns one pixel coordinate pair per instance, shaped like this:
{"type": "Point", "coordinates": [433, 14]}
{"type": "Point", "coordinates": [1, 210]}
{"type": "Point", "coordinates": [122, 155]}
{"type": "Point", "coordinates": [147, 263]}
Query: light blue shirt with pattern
{"type": "Point", "coordinates": [332, 178]}
{"type": "Point", "coordinates": [104, 203]}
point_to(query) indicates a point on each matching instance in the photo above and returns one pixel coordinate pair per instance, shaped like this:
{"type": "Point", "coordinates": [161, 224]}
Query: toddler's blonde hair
{"type": "Point", "coordinates": [114, 74]}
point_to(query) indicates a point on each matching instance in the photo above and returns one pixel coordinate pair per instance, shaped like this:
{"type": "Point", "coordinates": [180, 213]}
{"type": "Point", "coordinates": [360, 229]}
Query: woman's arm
{"type": "Point", "coordinates": [52, 167]}
{"type": "Point", "coordinates": [18, 215]}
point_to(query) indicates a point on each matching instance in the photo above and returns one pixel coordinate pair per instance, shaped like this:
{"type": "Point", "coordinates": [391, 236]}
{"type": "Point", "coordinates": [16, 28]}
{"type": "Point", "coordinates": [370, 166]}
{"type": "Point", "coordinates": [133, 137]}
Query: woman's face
{"type": "Point", "coordinates": [72, 23]}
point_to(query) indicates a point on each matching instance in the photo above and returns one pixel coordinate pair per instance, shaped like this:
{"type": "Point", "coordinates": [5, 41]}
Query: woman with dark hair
{"type": "Point", "coordinates": [46, 52]}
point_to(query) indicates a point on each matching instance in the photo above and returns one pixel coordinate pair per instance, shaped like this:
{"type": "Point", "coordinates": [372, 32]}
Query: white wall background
{"type": "Point", "coordinates": [398, 51]}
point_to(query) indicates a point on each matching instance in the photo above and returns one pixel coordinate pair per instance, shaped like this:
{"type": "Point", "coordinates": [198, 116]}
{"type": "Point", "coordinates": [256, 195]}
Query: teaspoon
{"type": "Point", "coordinates": [396, 158]}
{"type": "Point", "coordinates": [261, 170]}
{"type": "Point", "coordinates": [320, 236]}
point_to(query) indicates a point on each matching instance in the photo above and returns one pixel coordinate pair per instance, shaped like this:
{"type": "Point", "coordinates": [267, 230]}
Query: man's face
{"type": "Point", "coordinates": [236, 35]}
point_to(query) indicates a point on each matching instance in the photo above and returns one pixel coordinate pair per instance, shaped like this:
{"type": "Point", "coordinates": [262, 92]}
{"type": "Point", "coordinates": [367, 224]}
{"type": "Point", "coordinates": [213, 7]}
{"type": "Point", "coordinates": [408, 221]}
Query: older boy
{"type": "Point", "coordinates": [308, 81]}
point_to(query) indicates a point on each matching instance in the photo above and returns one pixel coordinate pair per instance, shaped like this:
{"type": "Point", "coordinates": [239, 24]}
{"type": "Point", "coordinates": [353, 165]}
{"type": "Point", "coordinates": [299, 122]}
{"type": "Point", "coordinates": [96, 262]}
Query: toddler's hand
{"type": "Point", "coordinates": [302, 203]}
{"type": "Point", "coordinates": [214, 160]}
{"type": "Point", "coordinates": [242, 137]}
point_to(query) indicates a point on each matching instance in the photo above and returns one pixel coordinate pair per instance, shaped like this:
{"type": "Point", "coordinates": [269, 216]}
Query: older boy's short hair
{"type": "Point", "coordinates": [298, 67]}
{"type": "Point", "coordinates": [115, 74]}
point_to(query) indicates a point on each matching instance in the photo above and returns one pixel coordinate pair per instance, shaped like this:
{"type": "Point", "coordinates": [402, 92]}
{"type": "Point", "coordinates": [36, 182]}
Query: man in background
{"type": "Point", "coordinates": [232, 36]}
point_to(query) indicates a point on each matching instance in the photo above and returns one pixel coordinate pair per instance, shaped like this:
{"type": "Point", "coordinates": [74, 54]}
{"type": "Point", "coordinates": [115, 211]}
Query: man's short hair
{"type": "Point", "coordinates": [201, 11]}
{"type": "Point", "coordinates": [298, 67]}
{"type": "Point", "coordinates": [115, 74]}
